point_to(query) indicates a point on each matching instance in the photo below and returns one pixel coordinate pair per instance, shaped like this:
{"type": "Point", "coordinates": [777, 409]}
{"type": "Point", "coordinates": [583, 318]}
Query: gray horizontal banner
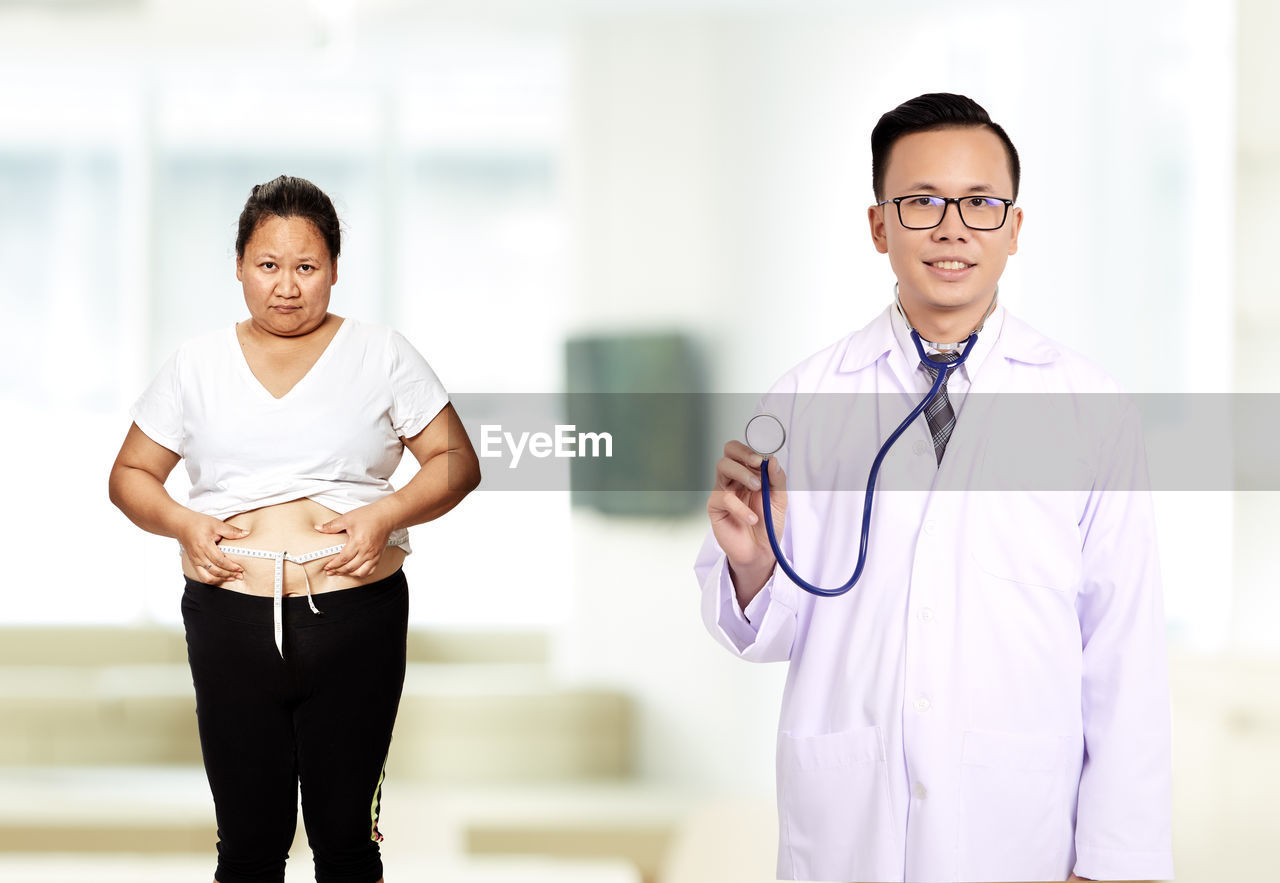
{"type": "Point", "coordinates": [600, 445]}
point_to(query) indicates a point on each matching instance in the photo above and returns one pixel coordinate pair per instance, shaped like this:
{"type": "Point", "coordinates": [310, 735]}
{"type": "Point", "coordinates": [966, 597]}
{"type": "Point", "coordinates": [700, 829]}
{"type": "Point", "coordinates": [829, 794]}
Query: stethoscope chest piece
{"type": "Point", "coordinates": [765, 434]}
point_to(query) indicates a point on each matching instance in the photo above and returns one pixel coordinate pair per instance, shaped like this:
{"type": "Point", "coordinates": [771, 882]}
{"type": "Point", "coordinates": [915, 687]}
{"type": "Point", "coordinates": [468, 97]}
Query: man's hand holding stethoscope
{"type": "Point", "coordinates": [765, 436]}
{"type": "Point", "coordinates": [735, 506]}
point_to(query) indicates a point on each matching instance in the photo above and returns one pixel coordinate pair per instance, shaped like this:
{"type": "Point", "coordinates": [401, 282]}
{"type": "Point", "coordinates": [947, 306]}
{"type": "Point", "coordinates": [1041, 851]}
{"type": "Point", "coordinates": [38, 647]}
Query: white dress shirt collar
{"type": "Point", "coordinates": [987, 338]}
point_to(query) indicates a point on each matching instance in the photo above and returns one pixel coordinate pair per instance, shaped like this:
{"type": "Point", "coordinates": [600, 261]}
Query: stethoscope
{"type": "Point", "coordinates": [772, 442]}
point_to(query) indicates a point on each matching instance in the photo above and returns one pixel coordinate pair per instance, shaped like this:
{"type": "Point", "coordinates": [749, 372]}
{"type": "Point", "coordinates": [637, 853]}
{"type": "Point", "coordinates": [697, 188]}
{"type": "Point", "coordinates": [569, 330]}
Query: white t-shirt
{"type": "Point", "coordinates": [334, 438]}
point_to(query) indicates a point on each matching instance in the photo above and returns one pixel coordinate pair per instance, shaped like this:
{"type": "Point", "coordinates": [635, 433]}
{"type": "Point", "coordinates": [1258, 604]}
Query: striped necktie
{"type": "Point", "coordinates": [940, 415]}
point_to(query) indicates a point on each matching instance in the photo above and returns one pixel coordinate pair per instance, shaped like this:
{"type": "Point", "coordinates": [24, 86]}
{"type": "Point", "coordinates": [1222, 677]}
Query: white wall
{"type": "Point", "coordinates": [1257, 316]}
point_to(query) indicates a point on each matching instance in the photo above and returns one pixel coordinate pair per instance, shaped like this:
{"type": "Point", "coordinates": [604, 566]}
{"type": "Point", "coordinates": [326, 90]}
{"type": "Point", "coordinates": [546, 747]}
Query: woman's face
{"type": "Point", "coordinates": [286, 272]}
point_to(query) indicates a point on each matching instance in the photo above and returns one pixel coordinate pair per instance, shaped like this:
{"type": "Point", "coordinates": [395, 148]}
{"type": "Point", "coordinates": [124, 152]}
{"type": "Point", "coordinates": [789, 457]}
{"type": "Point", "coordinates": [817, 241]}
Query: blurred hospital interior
{"type": "Point", "coordinates": [518, 183]}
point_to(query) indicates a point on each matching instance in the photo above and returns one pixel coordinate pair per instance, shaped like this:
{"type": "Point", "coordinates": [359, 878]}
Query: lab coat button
{"type": "Point", "coordinates": [926, 614]}
{"type": "Point", "coordinates": [922, 703]}
{"type": "Point", "coordinates": [920, 448]}
{"type": "Point", "coordinates": [920, 791]}
{"type": "Point", "coordinates": [930, 527]}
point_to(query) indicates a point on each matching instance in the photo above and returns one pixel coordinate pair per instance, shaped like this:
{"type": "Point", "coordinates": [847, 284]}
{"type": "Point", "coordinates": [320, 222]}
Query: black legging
{"type": "Point", "coordinates": [321, 716]}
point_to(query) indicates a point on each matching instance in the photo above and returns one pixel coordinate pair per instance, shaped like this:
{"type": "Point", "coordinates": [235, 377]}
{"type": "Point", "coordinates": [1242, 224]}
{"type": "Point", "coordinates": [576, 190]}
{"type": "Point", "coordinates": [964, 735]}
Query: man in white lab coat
{"type": "Point", "coordinates": [990, 701]}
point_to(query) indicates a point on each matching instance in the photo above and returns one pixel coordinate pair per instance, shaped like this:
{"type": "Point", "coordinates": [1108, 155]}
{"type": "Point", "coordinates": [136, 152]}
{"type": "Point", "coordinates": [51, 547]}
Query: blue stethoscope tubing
{"type": "Point", "coordinates": [943, 367]}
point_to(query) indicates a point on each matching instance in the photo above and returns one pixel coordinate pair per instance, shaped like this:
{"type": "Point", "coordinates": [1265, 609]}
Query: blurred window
{"type": "Point", "coordinates": [119, 195]}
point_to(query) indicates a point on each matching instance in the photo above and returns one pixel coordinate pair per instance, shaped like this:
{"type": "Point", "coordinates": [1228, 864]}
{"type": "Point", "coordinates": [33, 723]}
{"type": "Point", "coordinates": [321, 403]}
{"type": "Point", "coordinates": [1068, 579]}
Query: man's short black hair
{"type": "Point", "coordinates": [935, 110]}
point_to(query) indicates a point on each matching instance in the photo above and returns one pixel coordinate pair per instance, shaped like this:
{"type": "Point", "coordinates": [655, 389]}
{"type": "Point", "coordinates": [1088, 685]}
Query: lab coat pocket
{"type": "Point", "coordinates": [1018, 807]}
{"type": "Point", "coordinates": [1027, 537]}
{"type": "Point", "coordinates": [835, 815]}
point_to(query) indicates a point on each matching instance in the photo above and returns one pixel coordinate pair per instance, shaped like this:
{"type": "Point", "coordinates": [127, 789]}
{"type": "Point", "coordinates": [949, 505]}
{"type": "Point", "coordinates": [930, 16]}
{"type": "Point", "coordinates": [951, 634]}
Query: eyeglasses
{"type": "Point", "coordinates": [920, 211]}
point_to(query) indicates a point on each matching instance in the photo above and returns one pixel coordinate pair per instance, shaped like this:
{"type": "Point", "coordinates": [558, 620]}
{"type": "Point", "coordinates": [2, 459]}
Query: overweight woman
{"type": "Point", "coordinates": [291, 424]}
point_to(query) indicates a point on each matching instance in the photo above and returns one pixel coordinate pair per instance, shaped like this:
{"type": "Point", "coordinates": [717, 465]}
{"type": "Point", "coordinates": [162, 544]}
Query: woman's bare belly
{"type": "Point", "coordinates": [290, 527]}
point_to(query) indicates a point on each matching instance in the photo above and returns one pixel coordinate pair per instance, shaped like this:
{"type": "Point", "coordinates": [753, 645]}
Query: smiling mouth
{"type": "Point", "coordinates": [951, 265]}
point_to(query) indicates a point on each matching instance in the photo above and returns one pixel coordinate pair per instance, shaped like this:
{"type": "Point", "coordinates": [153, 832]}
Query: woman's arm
{"type": "Point", "coordinates": [448, 471]}
{"type": "Point", "coordinates": [136, 487]}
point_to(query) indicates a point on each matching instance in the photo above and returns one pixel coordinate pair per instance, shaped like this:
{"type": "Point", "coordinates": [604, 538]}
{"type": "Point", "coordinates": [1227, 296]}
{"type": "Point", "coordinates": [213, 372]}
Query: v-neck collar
{"type": "Point", "coordinates": [252, 378]}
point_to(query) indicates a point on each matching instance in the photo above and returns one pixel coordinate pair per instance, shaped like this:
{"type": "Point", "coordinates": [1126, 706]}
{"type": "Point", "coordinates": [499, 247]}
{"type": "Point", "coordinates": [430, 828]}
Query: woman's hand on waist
{"type": "Point", "coordinates": [200, 535]}
{"type": "Point", "coordinates": [367, 530]}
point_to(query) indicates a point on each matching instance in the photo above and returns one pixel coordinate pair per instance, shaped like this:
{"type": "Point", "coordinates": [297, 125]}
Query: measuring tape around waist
{"type": "Point", "coordinates": [280, 558]}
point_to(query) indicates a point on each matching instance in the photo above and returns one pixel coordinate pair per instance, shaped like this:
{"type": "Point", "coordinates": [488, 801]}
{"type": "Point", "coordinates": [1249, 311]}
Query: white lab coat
{"type": "Point", "coordinates": [990, 701]}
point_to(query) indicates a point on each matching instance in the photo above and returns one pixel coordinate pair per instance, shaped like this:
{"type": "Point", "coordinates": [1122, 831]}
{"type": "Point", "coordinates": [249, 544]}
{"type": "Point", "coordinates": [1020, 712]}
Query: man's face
{"type": "Point", "coordinates": [947, 274]}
